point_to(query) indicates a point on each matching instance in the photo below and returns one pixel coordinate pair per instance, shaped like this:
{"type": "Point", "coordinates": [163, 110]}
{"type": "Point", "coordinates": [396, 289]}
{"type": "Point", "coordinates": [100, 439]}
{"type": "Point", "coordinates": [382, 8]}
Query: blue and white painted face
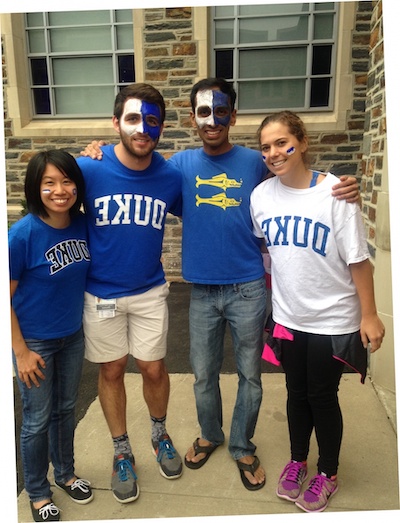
{"type": "Point", "coordinates": [212, 108]}
{"type": "Point", "coordinates": [141, 117]}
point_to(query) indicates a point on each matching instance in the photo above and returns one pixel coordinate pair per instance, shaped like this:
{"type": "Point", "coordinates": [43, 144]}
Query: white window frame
{"type": "Point", "coordinates": [18, 91]}
{"type": "Point", "coordinates": [50, 56]}
{"type": "Point", "coordinates": [307, 44]}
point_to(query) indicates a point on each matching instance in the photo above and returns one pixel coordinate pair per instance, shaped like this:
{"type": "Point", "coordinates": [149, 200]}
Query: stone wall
{"type": "Point", "coordinates": [171, 64]}
{"type": "Point", "coordinates": [375, 194]}
{"type": "Point", "coordinates": [374, 129]}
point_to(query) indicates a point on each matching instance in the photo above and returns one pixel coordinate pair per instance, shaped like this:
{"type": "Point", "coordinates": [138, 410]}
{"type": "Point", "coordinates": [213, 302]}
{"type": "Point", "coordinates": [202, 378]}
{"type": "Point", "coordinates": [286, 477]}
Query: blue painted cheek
{"type": "Point", "coordinates": [153, 132]}
{"type": "Point", "coordinates": [222, 121]}
{"type": "Point", "coordinates": [153, 110]}
{"type": "Point", "coordinates": [220, 100]}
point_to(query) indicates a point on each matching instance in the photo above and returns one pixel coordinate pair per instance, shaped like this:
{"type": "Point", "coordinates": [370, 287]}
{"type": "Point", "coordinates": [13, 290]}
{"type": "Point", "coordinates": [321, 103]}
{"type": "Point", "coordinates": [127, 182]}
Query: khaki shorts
{"type": "Point", "coordinates": [139, 326]}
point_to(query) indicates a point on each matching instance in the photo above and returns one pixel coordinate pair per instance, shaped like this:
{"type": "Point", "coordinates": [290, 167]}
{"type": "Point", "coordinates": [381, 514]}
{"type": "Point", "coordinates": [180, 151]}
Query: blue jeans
{"type": "Point", "coordinates": [48, 414]}
{"type": "Point", "coordinates": [243, 307]}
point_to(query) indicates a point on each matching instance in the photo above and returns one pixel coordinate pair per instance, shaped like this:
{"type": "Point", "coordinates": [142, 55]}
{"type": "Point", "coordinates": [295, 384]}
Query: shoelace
{"type": "Point", "coordinates": [165, 446]}
{"type": "Point", "coordinates": [294, 472]}
{"type": "Point", "coordinates": [316, 484]}
{"type": "Point", "coordinates": [123, 468]}
{"type": "Point", "coordinates": [82, 484]}
{"type": "Point", "coordinates": [48, 510]}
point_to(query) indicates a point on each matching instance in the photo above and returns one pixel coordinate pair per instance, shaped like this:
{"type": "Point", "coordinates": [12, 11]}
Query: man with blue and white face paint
{"type": "Point", "coordinates": [139, 127]}
{"type": "Point", "coordinates": [226, 269]}
{"type": "Point", "coordinates": [212, 108]}
{"type": "Point", "coordinates": [128, 196]}
{"type": "Point", "coordinates": [213, 115]}
{"type": "Point", "coordinates": [140, 117]}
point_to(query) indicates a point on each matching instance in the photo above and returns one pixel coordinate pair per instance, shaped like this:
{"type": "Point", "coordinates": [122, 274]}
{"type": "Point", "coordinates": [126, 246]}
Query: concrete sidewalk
{"type": "Point", "coordinates": [368, 472]}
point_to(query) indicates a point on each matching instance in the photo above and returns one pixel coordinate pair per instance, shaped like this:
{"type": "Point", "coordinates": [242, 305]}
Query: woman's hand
{"type": "Point", "coordinates": [372, 332]}
{"type": "Point", "coordinates": [29, 365]}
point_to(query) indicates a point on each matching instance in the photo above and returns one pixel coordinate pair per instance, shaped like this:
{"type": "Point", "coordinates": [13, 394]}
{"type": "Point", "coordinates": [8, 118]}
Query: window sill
{"type": "Point", "coordinates": [327, 121]}
{"type": "Point", "coordinates": [65, 128]}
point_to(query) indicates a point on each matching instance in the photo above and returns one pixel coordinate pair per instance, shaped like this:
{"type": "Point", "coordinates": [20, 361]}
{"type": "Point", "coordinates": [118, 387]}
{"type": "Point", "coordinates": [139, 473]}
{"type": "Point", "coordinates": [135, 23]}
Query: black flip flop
{"type": "Point", "coordinates": [252, 469]}
{"type": "Point", "coordinates": [198, 449]}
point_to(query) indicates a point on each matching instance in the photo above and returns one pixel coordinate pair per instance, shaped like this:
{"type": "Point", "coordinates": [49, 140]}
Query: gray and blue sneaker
{"type": "Point", "coordinates": [124, 480]}
{"type": "Point", "coordinates": [169, 461]}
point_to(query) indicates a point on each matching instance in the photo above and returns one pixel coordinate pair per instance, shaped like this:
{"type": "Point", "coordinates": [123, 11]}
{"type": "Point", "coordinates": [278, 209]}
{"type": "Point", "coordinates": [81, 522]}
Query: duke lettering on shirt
{"type": "Point", "coordinates": [131, 208]}
{"type": "Point", "coordinates": [66, 252]}
{"type": "Point", "coordinates": [298, 230]}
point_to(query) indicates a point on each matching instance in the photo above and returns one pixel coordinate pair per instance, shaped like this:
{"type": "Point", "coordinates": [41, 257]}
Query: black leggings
{"type": "Point", "coordinates": [312, 382]}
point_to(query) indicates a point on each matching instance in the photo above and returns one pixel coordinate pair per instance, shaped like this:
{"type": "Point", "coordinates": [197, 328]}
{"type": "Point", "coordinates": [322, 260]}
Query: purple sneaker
{"type": "Point", "coordinates": [291, 480]}
{"type": "Point", "coordinates": [315, 498]}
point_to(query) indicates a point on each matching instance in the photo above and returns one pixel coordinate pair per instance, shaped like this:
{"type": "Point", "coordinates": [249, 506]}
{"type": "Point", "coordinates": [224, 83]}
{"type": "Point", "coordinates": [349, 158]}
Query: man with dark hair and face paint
{"type": "Point", "coordinates": [222, 258]}
{"type": "Point", "coordinates": [225, 266]}
{"type": "Point", "coordinates": [127, 200]}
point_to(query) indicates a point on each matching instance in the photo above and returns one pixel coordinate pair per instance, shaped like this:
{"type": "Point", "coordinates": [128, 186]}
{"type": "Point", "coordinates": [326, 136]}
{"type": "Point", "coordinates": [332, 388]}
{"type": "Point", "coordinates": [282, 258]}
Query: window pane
{"type": "Point", "coordinates": [34, 19]}
{"type": "Point", "coordinates": [261, 30]}
{"type": "Point", "coordinates": [72, 40]}
{"type": "Point", "coordinates": [84, 100]}
{"type": "Point", "coordinates": [36, 41]}
{"type": "Point", "coordinates": [320, 92]}
{"type": "Point", "coordinates": [124, 37]}
{"type": "Point", "coordinates": [224, 32]}
{"type": "Point", "coordinates": [39, 71]}
{"type": "Point", "coordinates": [279, 53]}
{"type": "Point", "coordinates": [41, 100]}
{"type": "Point", "coordinates": [319, 6]}
{"type": "Point", "coordinates": [270, 63]}
{"type": "Point", "coordinates": [322, 59]}
{"type": "Point", "coordinates": [272, 9]}
{"type": "Point", "coordinates": [222, 10]}
{"type": "Point", "coordinates": [126, 69]}
{"type": "Point", "coordinates": [272, 94]}
{"type": "Point", "coordinates": [79, 17]}
{"type": "Point", "coordinates": [93, 70]}
{"type": "Point", "coordinates": [124, 15]}
{"type": "Point", "coordinates": [82, 57]}
{"type": "Point", "coordinates": [323, 26]}
{"type": "Point", "coordinates": [224, 63]}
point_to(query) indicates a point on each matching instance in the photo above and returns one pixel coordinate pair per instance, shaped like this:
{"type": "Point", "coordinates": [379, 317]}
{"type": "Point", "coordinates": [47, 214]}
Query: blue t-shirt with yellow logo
{"type": "Point", "coordinates": [218, 244]}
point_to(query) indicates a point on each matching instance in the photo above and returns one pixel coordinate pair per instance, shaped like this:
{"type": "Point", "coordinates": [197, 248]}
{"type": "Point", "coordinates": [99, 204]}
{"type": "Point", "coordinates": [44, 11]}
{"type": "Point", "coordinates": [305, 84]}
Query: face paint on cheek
{"type": "Point", "coordinates": [291, 150]}
{"type": "Point", "coordinates": [149, 111]}
{"type": "Point", "coordinates": [132, 106]}
{"type": "Point", "coordinates": [212, 99]}
{"type": "Point", "coordinates": [46, 191]}
{"type": "Point", "coordinates": [145, 109]}
{"type": "Point", "coordinates": [221, 100]}
{"type": "Point", "coordinates": [74, 192]}
{"type": "Point", "coordinates": [204, 100]}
